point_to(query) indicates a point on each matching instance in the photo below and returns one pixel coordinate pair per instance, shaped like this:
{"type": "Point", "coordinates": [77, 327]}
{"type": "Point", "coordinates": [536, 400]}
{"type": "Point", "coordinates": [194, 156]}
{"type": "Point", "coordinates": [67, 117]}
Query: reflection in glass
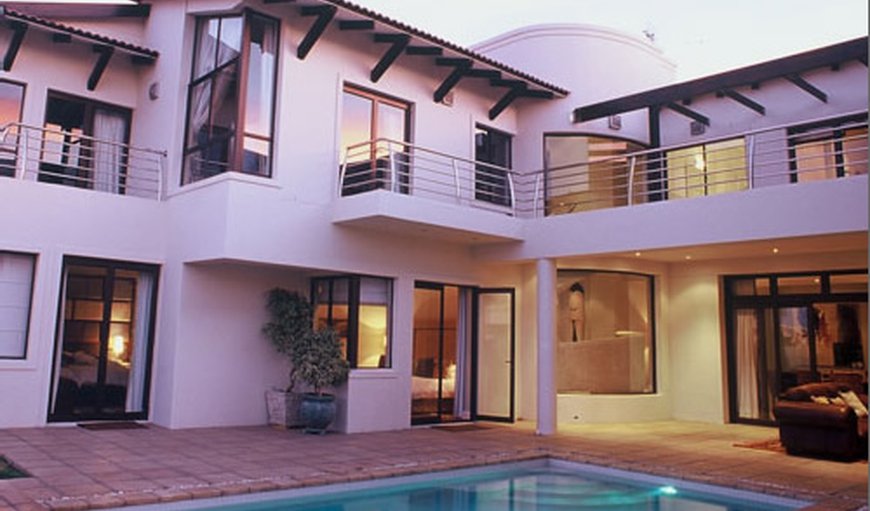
{"type": "Point", "coordinates": [605, 332]}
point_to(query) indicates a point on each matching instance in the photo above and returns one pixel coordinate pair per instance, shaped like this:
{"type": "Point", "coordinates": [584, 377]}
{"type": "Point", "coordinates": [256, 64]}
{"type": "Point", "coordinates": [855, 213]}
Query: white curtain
{"type": "Point", "coordinates": [141, 334]}
{"type": "Point", "coordinates": [58, 349]}
{"type": "Point", "coordinates": [110, 131]}
{"type": "Point", "coordinates": [747, 364]}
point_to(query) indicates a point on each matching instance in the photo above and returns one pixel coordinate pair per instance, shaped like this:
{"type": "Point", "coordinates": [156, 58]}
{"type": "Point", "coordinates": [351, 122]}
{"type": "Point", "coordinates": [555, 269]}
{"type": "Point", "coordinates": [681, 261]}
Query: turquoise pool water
{"type": "Point", "coordinates": [543, 488]}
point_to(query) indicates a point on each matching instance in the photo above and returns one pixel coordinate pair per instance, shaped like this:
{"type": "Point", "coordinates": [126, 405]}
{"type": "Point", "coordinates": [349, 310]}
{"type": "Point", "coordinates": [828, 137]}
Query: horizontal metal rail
{"type": "Point", "coordinates": [80, 161]}
{"type": "Point", "coordinates": [404, 168]}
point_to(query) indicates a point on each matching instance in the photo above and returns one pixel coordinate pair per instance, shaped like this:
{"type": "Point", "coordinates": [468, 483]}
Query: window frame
{"type": "Point", "coordinates": [20, 116]}
{"type": "Point", "coordinates": [653, 365]}
{"type": "Point", "coordinates": [353, 307]}
{"type": "Point", "coordinates": [242, 60]}
{"type": "Point", "coordinates": [33, 260]}
{"type": "Point", "coordinates": [481, 185]}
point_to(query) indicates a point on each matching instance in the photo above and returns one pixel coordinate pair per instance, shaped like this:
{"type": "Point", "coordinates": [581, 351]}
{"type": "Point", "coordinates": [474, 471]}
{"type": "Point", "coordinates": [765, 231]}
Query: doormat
{"type": "Point", "coordinates": [9, 471]}
{"type": "Point", "coordinates": [102, 426]}
{"type": "Point", "coordinates": [462, 428]}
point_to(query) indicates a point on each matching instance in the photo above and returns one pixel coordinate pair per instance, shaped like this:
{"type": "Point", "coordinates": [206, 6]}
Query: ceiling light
{"type": "Point", "coordinates": [775, 250]}
{"type": "Point", "coordinates": [688, 258]}
{"type": "Point", "coordinates": [637, 254]}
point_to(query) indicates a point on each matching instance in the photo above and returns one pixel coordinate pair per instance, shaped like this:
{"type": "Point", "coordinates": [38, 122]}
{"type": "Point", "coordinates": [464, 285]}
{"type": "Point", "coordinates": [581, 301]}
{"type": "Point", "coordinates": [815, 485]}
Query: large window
{"type": "Point", "coordinates": [104, 339]}
{"type": "Point", "coordinates": [828, 152]}
{"type": "Point", "coordinates": [231, 97]}
{"type": "Point", "coordinates": [359, 309]}
{"type": "Point", "coordinates": [707, 169]}
{"type": "Point", "coordinates": [788, 329]}
{"type": "Point", "coordinates": [11, 100]}
{"type": "Point", "coordinates": [605, 333]}
{"type": "Point", "coordinates": [16, 288]}
{"type": "Point", "coordinates": [492, 151]}
{"type": "Point", "coordinates": [373, 129]}
{"type": "Point", "coordinates": [588, 172]}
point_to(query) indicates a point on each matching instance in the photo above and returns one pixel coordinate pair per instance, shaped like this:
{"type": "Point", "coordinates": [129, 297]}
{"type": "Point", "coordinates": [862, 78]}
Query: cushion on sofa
{"type": "Point", "coordinates": [852, 400]}
{"type": "Point", "coordinates": [806, 391]}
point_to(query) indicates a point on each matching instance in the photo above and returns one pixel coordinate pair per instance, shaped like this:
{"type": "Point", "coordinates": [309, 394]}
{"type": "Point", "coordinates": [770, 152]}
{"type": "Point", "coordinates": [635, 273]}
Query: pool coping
{"type": "Point", "coordinates": [817, 500]}
{"type": "Point", "coordinates": [425, 478]}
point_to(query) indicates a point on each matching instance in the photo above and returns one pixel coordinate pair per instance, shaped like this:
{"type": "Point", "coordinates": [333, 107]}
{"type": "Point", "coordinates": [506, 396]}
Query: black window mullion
{"type": "Point", "coordinates": [353, 320]}
{"type": "Point", "coordinates": [839, 160]}
{"type": "Point", "coordinates": [105, 329]}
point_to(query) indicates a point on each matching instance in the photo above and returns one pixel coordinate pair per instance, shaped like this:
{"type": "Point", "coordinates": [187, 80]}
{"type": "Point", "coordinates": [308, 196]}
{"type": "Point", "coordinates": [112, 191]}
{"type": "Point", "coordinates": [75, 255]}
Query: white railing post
{"type": "Point", "coordinates": [751, 161]}
{"type": "Point", "coordinates": [536, 194]}
{"type": "Point", "coordinates": [342, 168]}
{"type": "Point", "coordinates": [513, 194]}
{"type": "Point", "coordinates": [631, 165]}
{"type": "Point", "coordinates": [22, 147]}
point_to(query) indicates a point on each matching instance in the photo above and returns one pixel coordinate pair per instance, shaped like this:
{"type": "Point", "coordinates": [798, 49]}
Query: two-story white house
{"type": "Point", "coordinates": [543, 227]}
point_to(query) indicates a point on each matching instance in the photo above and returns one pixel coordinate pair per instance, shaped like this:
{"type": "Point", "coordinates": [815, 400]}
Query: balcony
{"type": "Point", "coordinates": [70, 158]}
{"type": "Point", "coordinates": [380, 182]}
{"type": "Point", "coordinates": [384, 177]}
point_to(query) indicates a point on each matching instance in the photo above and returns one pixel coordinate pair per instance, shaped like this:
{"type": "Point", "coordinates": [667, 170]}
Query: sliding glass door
{"type": "Point", "coordinates": [494, 360]}
{"type": "Point", "coordinates": [104, 338]}
{"type": "Point", "coordinates": [787, 330]}
{"type": "Point", "coordinates": [441, 354]}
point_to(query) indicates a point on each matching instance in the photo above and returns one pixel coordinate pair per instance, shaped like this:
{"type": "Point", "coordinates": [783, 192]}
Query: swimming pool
{"type": "Point", "coordinates": [544, 485]}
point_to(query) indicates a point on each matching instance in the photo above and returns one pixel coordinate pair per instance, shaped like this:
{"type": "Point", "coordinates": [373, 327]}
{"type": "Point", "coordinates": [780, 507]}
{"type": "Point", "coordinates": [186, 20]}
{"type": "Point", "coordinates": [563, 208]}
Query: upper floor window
{"type": "Point", "coordinates": [231, 97]}
{"type": "Point", "coordinates": [85, 144]}
{"type": "Point", "coordinates": [11, 99]}
{"type": "Point", "coordinates": [373, 129]}
{"type": "Point", "coordinates": [827, 152]}
{"type": "Point", "coordinates": [492, 151]}
{"type": "Point", "coordinates": [707, 169]}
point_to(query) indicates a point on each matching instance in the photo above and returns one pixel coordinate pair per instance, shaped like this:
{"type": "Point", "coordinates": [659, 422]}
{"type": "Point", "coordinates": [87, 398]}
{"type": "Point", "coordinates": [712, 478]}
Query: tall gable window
{"type": "Point", "coordinates": [231, 97]}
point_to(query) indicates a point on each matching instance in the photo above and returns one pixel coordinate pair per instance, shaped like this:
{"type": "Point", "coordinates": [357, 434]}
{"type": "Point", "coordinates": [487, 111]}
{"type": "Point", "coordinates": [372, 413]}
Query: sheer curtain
{"type": "Point", "coordinates": [460, 385]}
{"type": "Point", "coordinates": [110, 131]}
{"type": "Point", "coordinates": [747, 364]}
{"type": "Point", "coordinates": [141, 333]}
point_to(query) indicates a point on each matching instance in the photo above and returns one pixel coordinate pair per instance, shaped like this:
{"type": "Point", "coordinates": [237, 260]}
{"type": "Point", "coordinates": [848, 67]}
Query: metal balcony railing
{"type": "Point", "coordinates": [77, 160]}
{"type": "Point", "coordinates": [772, 156]}
{"type": "Point", "coordinates": [404, 168]}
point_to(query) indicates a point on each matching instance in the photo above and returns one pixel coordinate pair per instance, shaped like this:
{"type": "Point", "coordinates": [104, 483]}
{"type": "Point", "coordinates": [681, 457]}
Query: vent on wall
{"type": "Point", "coordinates": [697, 128]}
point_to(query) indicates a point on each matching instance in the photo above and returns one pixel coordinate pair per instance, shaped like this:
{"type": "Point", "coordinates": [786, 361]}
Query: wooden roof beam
{"type": "Point", "coordinates": [106, 53]}
{"type": "Point", "coordinates": [18, 31]}
{"type": "Point", "coordinates": [398, 44]}
{"type": "Point", "coordinates": [688, 112]}
{"type": "Point", "coordinates": [808, 87]}
{"type": "Point", "coordinates": [324, 14]}
{"type": "Point", "coordinates": [460, 67]}
{"type": "Point", "coordinates": [743, 100]}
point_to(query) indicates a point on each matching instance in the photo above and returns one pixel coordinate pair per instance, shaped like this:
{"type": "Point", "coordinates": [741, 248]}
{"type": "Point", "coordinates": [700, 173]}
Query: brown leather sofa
{"type": "Point", "coordinates": [822, 430]}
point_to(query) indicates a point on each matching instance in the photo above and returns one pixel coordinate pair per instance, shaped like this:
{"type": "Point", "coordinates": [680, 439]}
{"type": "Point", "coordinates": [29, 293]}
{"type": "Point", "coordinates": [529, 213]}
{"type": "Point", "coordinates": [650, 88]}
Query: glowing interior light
{"type": "Point", "coordinates": [117, 346]}
{"type": "Point", "coordinates": [668, 490]}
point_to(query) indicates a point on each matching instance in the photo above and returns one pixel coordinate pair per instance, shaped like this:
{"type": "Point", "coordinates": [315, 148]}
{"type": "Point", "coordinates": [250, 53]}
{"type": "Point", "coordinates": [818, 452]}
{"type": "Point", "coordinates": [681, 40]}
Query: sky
{"type": "Point", "coordinates": [703, 37]}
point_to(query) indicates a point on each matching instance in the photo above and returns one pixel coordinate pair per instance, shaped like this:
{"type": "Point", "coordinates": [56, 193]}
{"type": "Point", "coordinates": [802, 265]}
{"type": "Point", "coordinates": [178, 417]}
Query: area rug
{"type": "Point", "coordinates": [770, 444]}
{"type": "Point", "coordinates": [101, 426]}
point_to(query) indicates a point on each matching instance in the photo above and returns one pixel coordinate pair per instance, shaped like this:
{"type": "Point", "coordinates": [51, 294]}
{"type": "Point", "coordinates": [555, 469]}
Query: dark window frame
{"type": "Point", "coordinates": [353, 305]}
{"type": "Point", "coordinates": [653, 324]}
{"type": "Point", "coordinates": [797, 135]}
{"type": "Point", "coordinates": [242, 61]}
{"type": "Point", "coordinates": [81, 180]}
{"type": "Point", "coordinates": [112, 265]}
{"type": "Point", "coordinates": [33, 259]}
{"type": "Point", "coordinates": [483, 191]}
{"type": "Point", "coordinates": [773, 301]}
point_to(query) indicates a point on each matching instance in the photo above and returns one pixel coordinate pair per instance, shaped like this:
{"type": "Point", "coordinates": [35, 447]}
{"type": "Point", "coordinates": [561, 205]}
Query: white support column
{"type": "Point", "coordinates": [546, 273]}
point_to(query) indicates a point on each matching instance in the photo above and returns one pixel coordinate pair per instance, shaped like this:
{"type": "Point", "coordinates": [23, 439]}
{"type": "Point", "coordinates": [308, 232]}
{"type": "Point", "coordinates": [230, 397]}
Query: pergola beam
{"type": "Point", "coordinates": [432, 51]}
{"type": "Point", "coordinates": [356, 25]}
{"type": "Point", "coordinates": [459, 70]}
{"type": "Point", "coordinates": [106, 53]}
{"type": "Point", "coordinates": [19, 29]}
{"type": "Point", "coordinates": [808, 87]}
{"type": "Point", "coordinates": [324, 14]}
{"type": "Point", "coordinates": [743, 100]}
{"type": "Point", "coordinates": [398, 44]}
{"type": "Point", "coordinates": [506, 100]}
{"type": "Point", "coordinates": [688, 112]}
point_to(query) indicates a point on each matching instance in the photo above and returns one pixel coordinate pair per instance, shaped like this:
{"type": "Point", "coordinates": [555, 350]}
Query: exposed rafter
{"type": "Point", "coordinates": [460, 67]}
{"type": "Point", "coordinates": [324, 14]}
{"type": "Point", "coordinates": [743, 100]}
{"type": "Point", "coordinates": [505, 101]}
{"type": "Point", "coordinates": [688, 112]}
{"type": "Point", "coordinates": [105, 53]}
{"type": "Point", "coordinates": [356, 25]}
{"type": "Point", "coordinates": [398, 44]}
{"type": "Point", "coordinates": [490, 74]}
{"type": "Point", "coordinates": [60, 37]}
{"type": "Point", "coordinates": [808, 87]}
{"type": "Point", "coordinates": [18, 31]}
{"type": "Point", "coordinates": [432, 51]}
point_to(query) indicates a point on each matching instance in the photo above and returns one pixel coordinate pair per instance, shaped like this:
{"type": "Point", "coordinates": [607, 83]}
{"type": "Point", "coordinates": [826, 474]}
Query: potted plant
{"type": "Point", "coordinates": [319, 363]}
{"type": "Point", "coordinates": [290, 319]}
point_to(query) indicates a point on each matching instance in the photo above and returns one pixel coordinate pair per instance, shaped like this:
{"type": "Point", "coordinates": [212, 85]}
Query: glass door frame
{"type": "Point", "coordinates": [774, 302]}
{"type": "Point", "coordinates": [111, 266]}
{"type": "Point", "coordinates": [475, 353]}
{"type": "Point", "coordinates": [438, 287]}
